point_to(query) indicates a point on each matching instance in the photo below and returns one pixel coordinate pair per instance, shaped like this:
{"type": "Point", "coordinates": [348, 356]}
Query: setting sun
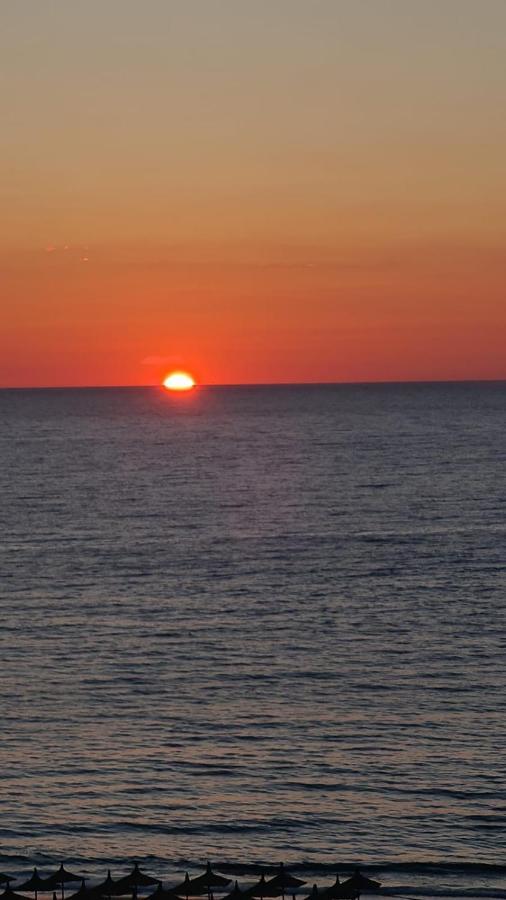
{"type": "Point", "coordinates": [178, 381]}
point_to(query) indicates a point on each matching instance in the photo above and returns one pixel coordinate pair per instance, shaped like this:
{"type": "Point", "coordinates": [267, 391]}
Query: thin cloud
{"type": "Point", "coordinates": [159, 360]}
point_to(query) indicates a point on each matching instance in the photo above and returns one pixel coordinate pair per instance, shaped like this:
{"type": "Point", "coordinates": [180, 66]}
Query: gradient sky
{"type": "Point", "coordinates": [256, 190]}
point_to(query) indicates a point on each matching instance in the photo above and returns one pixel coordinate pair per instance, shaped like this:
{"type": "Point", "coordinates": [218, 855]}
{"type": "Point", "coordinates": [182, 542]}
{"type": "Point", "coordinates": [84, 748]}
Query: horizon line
{"type": "Point", "coordinates": [252, 384]}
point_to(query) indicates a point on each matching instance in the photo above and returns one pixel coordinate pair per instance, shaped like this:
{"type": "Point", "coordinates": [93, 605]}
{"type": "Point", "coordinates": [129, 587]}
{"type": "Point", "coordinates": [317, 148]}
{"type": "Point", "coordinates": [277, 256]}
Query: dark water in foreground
{"type": "Point", "coordinates": [256, 624]}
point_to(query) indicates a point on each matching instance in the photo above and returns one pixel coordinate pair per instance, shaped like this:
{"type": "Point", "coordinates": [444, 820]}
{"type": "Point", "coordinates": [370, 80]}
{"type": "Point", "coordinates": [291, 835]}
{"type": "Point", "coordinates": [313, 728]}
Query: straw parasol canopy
{"type": "Point", "coordinates": [338, 891]}
{"type": "Point", "coordinates": [183, 889]}
{"type": "Point", "coordinates": [133, 881]}
{"type": "Point", "coordinates": [315, 893]}
{"type": "Point", "coordinates": [35, 883]}
{"type": "Point", "coordinates": [5, 879]}
{"type": "Point", "coordinates": [9, 894]}
{"type": "Point", "coordinates": [235, 893]}
{"type": "Point", "coordinates": [262, 889]}
{"type": "Point", "coordinates": [60, 879]}
{"type": "Point", "coordinates": [205, 883]}
{"type": "Point", "coordinates": [341, 892]}
{"type": "Point", "coordinates": [162, 893]}
{"type": "Point", "coordinates": [358, 884]}
{"type": "Point", "coordinates": [83, 893]}
{"type": "Point", "coordinates": [105, 888]}
{"type": "Point", "coordinates": [283, 881]}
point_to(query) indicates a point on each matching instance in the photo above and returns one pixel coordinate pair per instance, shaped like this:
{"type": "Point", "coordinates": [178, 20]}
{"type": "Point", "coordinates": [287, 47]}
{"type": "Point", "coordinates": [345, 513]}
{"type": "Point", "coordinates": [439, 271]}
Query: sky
{"type": "Point", "coordinates": [267, 191]}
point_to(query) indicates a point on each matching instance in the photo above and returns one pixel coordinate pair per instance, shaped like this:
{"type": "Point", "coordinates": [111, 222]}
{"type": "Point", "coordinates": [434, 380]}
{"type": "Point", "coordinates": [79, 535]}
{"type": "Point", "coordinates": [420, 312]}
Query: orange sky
{"type": "Point", "coordinates": [290, 191]}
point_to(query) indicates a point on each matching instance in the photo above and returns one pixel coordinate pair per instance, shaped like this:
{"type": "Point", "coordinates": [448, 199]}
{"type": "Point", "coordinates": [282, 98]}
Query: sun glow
{"type": "Point", "coordinates": [178, 381]}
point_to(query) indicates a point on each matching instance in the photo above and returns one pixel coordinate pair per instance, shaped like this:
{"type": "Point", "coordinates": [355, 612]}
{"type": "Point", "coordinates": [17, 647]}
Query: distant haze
{"type": "Point", "coordinates": [297, 190]}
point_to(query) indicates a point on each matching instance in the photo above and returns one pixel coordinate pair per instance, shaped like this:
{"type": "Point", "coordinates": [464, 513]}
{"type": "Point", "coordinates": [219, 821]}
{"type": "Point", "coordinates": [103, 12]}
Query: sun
{"type": "Point", "coordinates": [178, 381]}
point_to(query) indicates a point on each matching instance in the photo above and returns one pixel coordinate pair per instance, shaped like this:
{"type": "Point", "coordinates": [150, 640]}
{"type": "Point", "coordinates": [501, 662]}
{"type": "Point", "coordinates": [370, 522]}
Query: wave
{"type": "Point", "coordinates": [407, 892]}
{"type": "Point", "coordinates": [463, 880]}
{"type": "Point", "coordinates": [462, 868]}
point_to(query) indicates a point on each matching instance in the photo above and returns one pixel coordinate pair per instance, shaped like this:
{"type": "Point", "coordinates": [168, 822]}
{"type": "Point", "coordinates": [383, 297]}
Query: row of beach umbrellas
{"type": "Point", "coordinates": [209, 882]}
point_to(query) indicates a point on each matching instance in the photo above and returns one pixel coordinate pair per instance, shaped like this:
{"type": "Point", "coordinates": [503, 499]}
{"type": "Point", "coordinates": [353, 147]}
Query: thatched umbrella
{"type": "Point", "coordinates": [205, 883]}
{"type": "Point", "coordinates": [6, 879]}
{"type": "Point", "coordinates": [9, 894]}
{"type": "Point", "coordinates": [314, 895]}
{"type": "Point", "coordinates": [358, 884]}
{"type": "Point", "coordinates": [83, 893]}
{"type": "Point", "coordinates": [133, 882]}
{"type": "Point", "coordinates": [106, 888]}
{"type": "Point", "coordinates": [262, 889]}
{"type": "Point", "coordinates": [35, 883]}
{"type": "Point", "coordinates": [162, 893]}
{"type": "Point", "coordinates": [283, 881]}
{"type": "Point", "coordinates": [183, 889]}
{"type": "Point", "coordinates": [235, 893]}
{"type": "Point", "coordinates": [60, 879]}
{"type": "Point", "coordinates": [338, 891]}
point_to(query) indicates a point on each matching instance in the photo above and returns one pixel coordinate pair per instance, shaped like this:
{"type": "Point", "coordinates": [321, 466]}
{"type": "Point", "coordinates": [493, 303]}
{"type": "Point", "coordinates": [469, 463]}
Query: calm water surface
{"type": "Point", "coordinates": [256, 624]}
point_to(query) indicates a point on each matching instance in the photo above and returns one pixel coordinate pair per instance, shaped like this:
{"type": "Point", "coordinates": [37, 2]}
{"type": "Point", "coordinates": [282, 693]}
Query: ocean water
{"type": "Point", "coordinates": [254, 625]}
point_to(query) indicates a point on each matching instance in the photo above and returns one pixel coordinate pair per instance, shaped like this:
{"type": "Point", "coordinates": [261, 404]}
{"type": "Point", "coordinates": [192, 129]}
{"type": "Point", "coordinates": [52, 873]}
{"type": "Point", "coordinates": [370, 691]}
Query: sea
{"type": "Point", "coordinates": [255, 625]}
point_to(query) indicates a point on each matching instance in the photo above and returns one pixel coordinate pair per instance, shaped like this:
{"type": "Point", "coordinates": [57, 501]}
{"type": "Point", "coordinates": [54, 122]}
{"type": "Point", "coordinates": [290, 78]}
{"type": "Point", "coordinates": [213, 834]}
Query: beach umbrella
{"type": "Point", "coordinates": [183, 889]}
{"type": "Point", "coordinates": [338, 891]}
{"type": "Point", "coordinates": [60, 879]}
{"type": "Point", "coordinates": [9, 894]}
{"type": "Point", "coordinates": [83, 893]}
{"type": "Point", "coordinates": [205, 883]}
{"type": "Point", "coordinates": [162, 893]}
{"type": "Point", "coordinates": [35, 883]}
{"type": "Point", "coordinates": [201, 884]}
{"type": "Point", "coordinates": [106, 888]}
{"type": "Point", "coordinates": [359, 884]}
{"type": "Point", "coordinates": [262, 889]}
{"type": "Point", "coordinates": [335, 891]}
{"type": "Point", "coordinates": [341, 891]}
{"type": "Point", "coordinates": [133, 882]}
{"type": "Point", "coordinates": [283, 881]}
{"type": "Point", "coordinates": [235, 893]}
{"type": "Point", "coordinates": [314, 895]}
{"type": "Point", "coordinates": [5, 879]}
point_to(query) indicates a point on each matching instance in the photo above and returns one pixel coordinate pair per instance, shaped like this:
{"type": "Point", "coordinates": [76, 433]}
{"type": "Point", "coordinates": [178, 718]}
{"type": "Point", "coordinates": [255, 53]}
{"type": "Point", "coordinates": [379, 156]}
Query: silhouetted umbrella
{"type": "Point", "coordinates": [60, 879]}
{"type": "Point", "coordinates": [334, 889]}
{"type": "Point", "coordinates": [9, 894]}
{"type": "Point", "coordinates": [315, 893]}
{"type": "Point", "coordinates": [105, 888]}
{"type": "Point", "coordinates": [35, 883]}
{"type": "Point", "coordinates": [207, 881]}
{"type": "Point", "coordinates": [183, 889]}
{"type": "Point", "coordinates": [235, 893]}
{"type": "Point", "coordinates": [5, 879]}
{"type": "Point", "coordinates": [133, 882]}
{"type": "Point", "coordinates": [283, 880]}
{"type": "Point", "coordinates": [262, 889]}
{"type": "Point", "coordinates": [359, 884]}
{"type": "Point", "coordinates": [162, 893]}
{"type": "Point", "coordinates": [338, 891]}
{"type": "Point", "coordinates": [83, 893]}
